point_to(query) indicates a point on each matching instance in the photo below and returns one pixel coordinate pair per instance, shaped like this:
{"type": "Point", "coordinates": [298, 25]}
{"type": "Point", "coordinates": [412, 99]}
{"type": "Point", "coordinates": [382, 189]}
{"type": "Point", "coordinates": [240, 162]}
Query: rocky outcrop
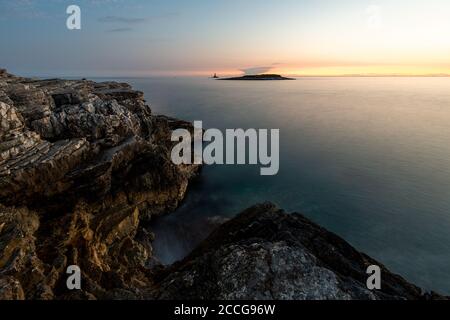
{"type": "Point", "coordinates": [83, 166]}
{"type": "Point", "coordinates": [265, 253]}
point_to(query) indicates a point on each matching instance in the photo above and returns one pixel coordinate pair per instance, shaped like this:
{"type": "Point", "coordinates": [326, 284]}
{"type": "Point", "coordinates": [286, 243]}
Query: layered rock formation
{"type": "Point", "coordinates": [84, 166]}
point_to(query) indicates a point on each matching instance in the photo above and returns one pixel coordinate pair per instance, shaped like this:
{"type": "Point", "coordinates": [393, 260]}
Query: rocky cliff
{"type": "Point", "coordinates": [84, 166]}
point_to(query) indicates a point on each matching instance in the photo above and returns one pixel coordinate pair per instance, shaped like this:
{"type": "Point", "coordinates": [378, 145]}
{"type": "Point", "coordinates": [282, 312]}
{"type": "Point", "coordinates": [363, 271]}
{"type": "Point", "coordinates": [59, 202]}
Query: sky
{"type": "Point", "coordinates": [229, 37]}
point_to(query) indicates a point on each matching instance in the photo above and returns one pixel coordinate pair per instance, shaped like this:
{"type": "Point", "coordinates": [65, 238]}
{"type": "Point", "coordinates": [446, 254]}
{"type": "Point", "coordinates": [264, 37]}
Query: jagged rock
{"type": "Point", "coordinates": [265, 253]}
{"type": "Point", "coordinates": [82, 165]}
{"type": "Point", "coordinates": [20, 267]}
{"type": "Point", "coordinates": [81, 139]}
{"type": "Point", "coordinates": [4, 74]}
{"type": "Point", "coordinates": [10, 289]}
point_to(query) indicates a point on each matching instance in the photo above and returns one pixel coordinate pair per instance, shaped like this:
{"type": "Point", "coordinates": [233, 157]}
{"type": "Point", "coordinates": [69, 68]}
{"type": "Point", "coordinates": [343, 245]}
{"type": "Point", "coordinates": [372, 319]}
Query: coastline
{"type": "Point", "coordinates": [75, 179]}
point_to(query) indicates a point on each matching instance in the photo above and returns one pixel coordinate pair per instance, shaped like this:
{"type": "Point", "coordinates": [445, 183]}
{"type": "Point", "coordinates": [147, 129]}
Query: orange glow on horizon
{"type": "Point", "coordinates": [364, 71]}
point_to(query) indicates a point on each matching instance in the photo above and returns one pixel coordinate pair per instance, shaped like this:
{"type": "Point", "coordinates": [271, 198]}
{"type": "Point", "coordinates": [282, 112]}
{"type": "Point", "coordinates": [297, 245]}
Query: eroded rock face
{"type": "Point", "coordinates": [82, 165]}
{"type": "Point", "coordinates": [265, 253]}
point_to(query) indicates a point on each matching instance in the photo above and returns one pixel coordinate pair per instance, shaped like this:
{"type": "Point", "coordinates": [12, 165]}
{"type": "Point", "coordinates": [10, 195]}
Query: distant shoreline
{"type": "Point", "coordinates": [259, 77]}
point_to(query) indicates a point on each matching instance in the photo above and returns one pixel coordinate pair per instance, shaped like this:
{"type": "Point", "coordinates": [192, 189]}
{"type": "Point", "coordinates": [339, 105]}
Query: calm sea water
{"type": "Point", "coordinates": [367, 158]}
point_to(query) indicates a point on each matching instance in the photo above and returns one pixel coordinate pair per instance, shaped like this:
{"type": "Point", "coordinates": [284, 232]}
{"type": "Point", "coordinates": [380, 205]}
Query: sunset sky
{"type": "Point", "coordinates": [199, 37]}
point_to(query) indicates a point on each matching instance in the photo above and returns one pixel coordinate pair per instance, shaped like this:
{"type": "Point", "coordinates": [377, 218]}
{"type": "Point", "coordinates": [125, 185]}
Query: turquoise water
{"type": "Point", "coordinates": [367, 158]}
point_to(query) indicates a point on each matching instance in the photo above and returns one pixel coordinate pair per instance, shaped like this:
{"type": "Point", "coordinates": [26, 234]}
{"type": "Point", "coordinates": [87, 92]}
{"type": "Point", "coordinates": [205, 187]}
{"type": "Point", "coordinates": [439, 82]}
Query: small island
{"type": "Point", "coordinates": [259, 77]}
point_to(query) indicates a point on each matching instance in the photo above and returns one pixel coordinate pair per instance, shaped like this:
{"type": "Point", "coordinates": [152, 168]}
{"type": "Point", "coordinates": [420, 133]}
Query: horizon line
{"type": "Point", "coordinates": [286, 75]}
{"type": "Point", "coordinates": [209, 74]}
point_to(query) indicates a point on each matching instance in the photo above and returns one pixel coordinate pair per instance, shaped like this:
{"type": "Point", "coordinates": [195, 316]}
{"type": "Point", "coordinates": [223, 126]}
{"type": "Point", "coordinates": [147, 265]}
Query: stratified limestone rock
{"type": "Point", "coordinates": [85, 139]}
{"type": "Point", "coordinates": [20, 268]}
{"type": "Point", "coordinates": [82, 164]}
{"type": "Point", "coordinates": [10, 289]}
{"type": "Point", "coordinates": [265, 253]}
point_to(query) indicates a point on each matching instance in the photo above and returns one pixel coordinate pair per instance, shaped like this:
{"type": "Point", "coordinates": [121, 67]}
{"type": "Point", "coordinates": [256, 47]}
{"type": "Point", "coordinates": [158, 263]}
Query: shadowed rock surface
{"type": "Point", "coordinates": [84, 167]}
{"type": "Point", "coordinates": [265, 253]}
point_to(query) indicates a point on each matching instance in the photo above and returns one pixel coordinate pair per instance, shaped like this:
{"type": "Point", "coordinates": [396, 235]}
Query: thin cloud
{"type": "Point", "coordinates": [121, 20]}
{"type": "Point", "coordinates": [260, 69]}
{"type": "Point", "coordinates": [256, 70]}
{"type": "Point", "coordinates": [118, 30]}
{"type": "Point", "coordinates": [136, 20]}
